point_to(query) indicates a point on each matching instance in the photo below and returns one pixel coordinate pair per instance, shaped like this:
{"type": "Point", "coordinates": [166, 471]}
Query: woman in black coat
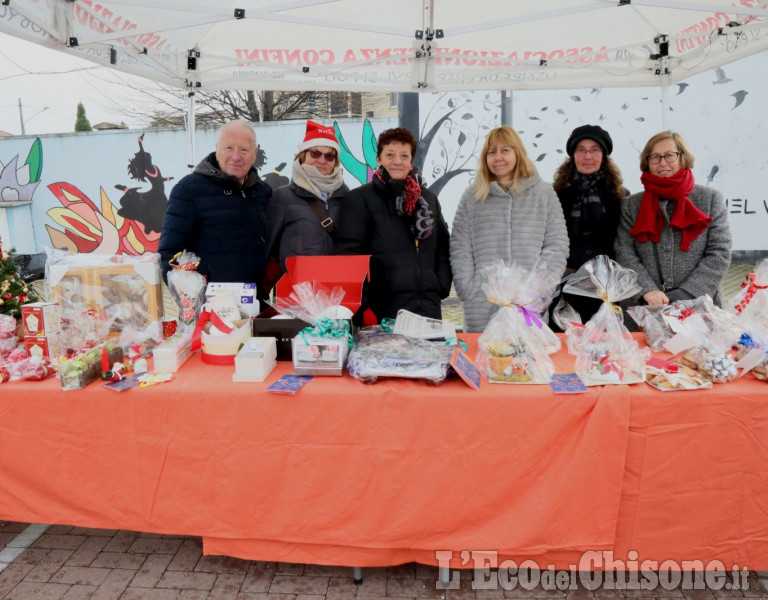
{"type": "Point", "coordinates": [398, 221]}
{"type": "Point", "coordinates": [303, 215]}
{"type": "Point", "coordinates": [590, 188]}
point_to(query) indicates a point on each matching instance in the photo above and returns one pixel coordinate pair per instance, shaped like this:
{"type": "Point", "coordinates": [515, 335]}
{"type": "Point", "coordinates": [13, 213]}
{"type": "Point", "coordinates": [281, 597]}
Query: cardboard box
{"type": "Point", "coordinates": [255, 360]}
{"type": "Point", "coordinates": [350, 272]}
{"type": "Point", "coordinates": [40, 318]}
{"type": "Point", "coordinates": [48, 346]}
{"type": "Point", "coordinates": [270, 324]}
{"type": "Point", "coordinates": [244, 293]}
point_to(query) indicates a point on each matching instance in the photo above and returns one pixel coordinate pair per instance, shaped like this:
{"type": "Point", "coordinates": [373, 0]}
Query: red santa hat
{"type": "Point", "coordinates": [319, 135]}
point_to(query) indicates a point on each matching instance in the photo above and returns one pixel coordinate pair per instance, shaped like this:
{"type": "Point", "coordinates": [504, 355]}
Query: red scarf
{"type": "Point", "coordinates": [685, 216]}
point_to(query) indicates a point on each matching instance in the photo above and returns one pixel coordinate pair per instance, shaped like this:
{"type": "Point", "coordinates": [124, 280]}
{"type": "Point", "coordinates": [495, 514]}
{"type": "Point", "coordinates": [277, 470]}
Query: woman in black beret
{"type": "Point", "coordinates": [590, 188]}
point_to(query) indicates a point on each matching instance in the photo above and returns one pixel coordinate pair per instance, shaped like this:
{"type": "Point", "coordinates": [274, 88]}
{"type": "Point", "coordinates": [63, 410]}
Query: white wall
{"type": "Point", "coordinates": [720, 113]}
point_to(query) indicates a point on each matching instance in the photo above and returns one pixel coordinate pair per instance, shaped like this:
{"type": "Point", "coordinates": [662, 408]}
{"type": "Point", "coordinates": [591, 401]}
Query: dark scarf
{"type": "Point", "coordinates": [685, 216]}
{"type": "Point", "coordinates": [587, 210]}
{"type": "Point", "coordinates": [409, 202]}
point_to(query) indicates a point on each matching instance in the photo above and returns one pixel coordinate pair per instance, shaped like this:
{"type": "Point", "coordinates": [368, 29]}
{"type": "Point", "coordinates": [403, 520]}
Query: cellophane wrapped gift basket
{"type": "Point", "coordinates": [662, 322]}
{"type": "Point", "coordinates": [187, 287]}
{"type": "Point", "coordinates": [606, 352]}
{"type": "Point", "coordinates": [516, 343]}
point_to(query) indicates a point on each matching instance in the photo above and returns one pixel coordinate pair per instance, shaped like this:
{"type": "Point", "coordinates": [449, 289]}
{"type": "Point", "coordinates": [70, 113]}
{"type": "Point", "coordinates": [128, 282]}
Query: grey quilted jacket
{"type": "Point", "coordinates": [510, 226]}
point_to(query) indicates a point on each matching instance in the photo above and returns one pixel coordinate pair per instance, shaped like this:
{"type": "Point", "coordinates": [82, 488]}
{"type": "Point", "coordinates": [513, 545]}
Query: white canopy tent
{"type": "Point", "coordinates": [397, 45]}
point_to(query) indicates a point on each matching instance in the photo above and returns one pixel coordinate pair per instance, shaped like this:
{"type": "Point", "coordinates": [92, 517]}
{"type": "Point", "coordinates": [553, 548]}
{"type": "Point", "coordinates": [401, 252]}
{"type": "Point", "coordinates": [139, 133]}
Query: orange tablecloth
{"type": "Point", "coordinates": [355, 474]}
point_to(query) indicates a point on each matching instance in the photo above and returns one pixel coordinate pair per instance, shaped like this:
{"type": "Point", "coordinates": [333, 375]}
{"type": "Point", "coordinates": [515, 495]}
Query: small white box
{"type": "Point", "coordinates": [244, 293]}
{"type": "Point", "coordinates": [173, 352]}
{"type": "Point", "coordinates": [255, 360]}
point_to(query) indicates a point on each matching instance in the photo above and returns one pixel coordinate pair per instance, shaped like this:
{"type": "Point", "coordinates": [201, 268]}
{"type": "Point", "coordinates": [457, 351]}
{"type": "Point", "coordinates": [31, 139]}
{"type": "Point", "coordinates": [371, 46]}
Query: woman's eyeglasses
{"type": "Point", "coordinates": [669, 158]}
{"type": "Point", "coordinates": [316, 154]}
{"type": "Point", "coordinates": [592, 152]}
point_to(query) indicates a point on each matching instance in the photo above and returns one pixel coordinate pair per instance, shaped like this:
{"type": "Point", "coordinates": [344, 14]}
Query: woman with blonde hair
{"type": "Point", "coordinates": [508, 213]}
{"type": "Point", "coordinates": [675, 234]}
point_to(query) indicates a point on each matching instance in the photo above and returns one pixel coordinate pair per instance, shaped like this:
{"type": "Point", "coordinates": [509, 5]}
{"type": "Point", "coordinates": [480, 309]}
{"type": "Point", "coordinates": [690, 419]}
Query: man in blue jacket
{"type": "Point", "coordinates": [219, 212]}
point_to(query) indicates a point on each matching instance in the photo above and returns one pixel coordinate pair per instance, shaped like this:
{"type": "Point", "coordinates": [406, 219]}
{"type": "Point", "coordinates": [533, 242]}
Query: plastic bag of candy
{"type": "Point", "coordinates": [661, 322]}
{"type": "Point", "coordinates": [606, 353]}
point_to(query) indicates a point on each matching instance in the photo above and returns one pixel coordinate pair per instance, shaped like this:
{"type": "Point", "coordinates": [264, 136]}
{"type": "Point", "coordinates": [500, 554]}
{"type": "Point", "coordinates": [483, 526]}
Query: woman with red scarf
{"type": "Point", "coordinates": [675, 234]}
{"type": "Point", "coordinates": [399, 222]}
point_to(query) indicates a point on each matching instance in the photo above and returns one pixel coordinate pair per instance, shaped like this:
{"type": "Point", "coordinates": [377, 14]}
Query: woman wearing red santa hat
{"type": "Point", "coordinates": [302, 215]}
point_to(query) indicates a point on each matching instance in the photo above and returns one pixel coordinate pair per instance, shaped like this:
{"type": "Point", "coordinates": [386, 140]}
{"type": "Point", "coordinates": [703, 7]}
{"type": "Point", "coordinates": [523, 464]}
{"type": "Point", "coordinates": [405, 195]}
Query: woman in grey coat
{"type": "Point", "coordinates": [675, 234]}
{"type": "Point", "coordinates": [509, 213]}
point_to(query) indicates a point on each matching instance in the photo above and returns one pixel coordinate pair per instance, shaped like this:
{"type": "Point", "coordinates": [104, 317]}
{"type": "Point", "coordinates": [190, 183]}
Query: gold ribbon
{"type": "Point", "coordinates": [601, 293]}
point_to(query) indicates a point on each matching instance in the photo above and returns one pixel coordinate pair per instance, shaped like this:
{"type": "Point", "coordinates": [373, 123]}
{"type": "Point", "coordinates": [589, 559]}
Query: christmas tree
{"type": "Point", "coordinates": [13, 291]}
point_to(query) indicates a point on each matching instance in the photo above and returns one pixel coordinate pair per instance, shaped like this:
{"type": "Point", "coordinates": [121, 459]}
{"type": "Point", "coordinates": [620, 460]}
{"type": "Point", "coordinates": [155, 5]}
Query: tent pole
{"type": "Point", "coordinates": [664, 101]}
{"type": "Point", "coordinates": [191, 131]}
{"type": "Point", "coordinates": [506, 107]}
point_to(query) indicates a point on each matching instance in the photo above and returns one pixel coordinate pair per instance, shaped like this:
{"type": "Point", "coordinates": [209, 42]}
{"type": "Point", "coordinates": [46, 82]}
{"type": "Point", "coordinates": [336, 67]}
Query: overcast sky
{"type": "Point", "coordinates": [47, 78]}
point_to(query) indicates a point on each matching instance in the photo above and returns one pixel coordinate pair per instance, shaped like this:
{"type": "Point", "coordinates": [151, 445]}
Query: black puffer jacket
{"type": "Point", "coordinates": [223, 222]}
{"type": "Point", "coordinates": [295, 229]}
{"type": "Point", "coordinates": [403, 274]}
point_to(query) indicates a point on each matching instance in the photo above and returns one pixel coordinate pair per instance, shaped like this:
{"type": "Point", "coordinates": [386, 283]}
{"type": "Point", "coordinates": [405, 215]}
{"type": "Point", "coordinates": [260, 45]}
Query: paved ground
{"type": "Point", "coordinates": [71, 563]}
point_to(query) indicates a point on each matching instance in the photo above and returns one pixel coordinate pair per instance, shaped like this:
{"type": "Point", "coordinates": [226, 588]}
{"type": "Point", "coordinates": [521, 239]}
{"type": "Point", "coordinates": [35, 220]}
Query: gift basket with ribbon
{"type": "Point", "coordinates": [187, 287]}
{"type": "Point", "coordinates": [516, 343]}
{"type": "Point", "coordinates": [606, 353]}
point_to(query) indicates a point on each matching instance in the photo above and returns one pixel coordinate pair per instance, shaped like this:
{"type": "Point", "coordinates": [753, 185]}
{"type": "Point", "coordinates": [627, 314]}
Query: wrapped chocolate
{"type": "Point", "coordinates": [187, 287]}
{"type": "Point", "coordinates": [516, 343]}
{"type": "Point", "coordinates": [380, 353]}
{"type": "Point", "coordinates": [606, 353]}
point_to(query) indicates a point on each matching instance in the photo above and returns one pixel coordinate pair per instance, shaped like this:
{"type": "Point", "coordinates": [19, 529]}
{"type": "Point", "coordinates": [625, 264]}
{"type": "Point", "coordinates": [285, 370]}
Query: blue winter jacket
{"type": "Point", "coordinates": [225, 223]}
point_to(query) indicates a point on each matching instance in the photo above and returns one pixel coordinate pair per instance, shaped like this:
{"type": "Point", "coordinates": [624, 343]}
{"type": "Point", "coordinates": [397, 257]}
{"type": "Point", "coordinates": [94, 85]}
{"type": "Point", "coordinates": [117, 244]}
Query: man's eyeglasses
{"type": "Point", "coordinates": [668, 158]}
{"type": "Point", "coordinates": [592, 152]}
{"type": "Point", "coordinates": [316, 154]}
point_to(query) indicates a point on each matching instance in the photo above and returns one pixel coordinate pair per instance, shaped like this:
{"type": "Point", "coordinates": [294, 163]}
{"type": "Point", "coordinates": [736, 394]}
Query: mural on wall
{"type": "Point", "coordinates": [146, 207]}
{"type": "Point", "coordinates": [18, 184]}
{"type": "Point", "coordinates": [134, 228]}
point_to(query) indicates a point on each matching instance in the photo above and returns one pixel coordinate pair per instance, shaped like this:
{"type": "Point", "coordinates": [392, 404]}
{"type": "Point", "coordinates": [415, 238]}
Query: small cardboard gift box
{"type": "Point", "coordinates": [220, 348]}
{"type": "Point", "coordinates": [255, 360]}
{"type": "Point", "coordinates": [350, 272]}
{"type": "Point", "coordinates": [244, 295]}
{"type": "Point", "coordinates": [41, 318]}
{"type": "Point", "coordinates": [48, 346]}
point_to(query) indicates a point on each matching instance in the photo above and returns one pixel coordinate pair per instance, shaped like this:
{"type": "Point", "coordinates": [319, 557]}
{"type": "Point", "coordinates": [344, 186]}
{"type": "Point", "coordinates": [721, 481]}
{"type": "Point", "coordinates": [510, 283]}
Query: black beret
{"type": "Point", "coordinates": [589, 132]}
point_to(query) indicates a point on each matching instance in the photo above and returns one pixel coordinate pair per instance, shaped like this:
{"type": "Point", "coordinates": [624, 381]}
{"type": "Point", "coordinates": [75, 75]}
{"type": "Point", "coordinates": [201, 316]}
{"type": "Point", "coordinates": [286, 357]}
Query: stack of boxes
{"type": "Point", "coordinates": [42, 329]}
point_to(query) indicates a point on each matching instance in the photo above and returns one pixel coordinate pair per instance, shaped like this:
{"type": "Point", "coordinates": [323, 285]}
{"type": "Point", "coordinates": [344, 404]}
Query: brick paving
{"type": "Point", "coordinates": [75, 563]}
